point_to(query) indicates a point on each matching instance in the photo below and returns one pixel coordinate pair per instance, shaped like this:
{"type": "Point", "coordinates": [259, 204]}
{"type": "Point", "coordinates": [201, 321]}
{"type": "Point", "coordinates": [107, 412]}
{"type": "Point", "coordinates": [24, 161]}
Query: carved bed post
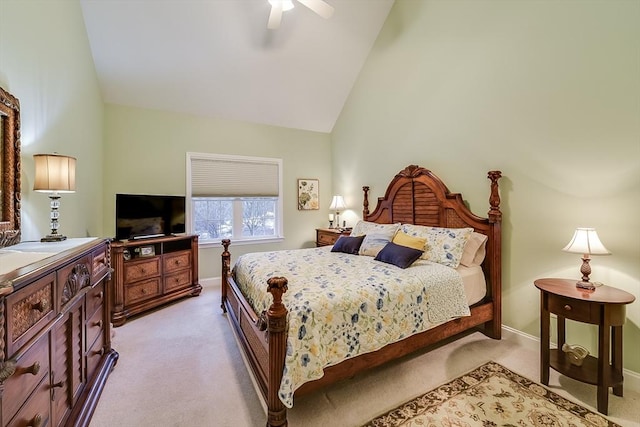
{"type": "Point", "coordinates": [226, 262]}
{"type": "Point", "coordinates": [277, 330]}
{"type": "Point", "coordinates": [365, 202]}
{"type": "Point", "coordinates": [494, 327]}
{"type": "Point", "coordinates": [494, 200]}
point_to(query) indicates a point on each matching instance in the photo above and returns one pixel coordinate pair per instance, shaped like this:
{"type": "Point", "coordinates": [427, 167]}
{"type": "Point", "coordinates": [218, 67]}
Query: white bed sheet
{"type": "Point", "coordinates": [475, 285]}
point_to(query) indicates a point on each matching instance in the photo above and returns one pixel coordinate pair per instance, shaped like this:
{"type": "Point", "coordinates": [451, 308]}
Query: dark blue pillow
{"type": "Point", "coordinates": [400, 256]}
{"type": "Point", "coordinates": [348, 245]}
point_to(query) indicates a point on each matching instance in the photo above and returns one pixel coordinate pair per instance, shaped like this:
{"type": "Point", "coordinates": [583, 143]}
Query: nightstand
{"type": "Point", "coordinates": [328, 236]}
{"type": "Point", "coordinates": [604, 307]}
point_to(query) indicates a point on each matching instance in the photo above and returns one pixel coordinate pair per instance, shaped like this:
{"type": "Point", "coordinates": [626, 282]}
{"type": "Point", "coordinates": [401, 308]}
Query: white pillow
{"type": "Point", "coordinates": [363, 228]}
{"type": "Point", "coordinates": [475, 250]}
{"type": "Point", "coordinates": [444, 245]}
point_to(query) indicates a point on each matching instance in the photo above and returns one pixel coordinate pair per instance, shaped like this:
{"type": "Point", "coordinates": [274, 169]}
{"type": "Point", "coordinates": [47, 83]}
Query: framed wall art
{"type": "Point", "coordinates": [308, 194]}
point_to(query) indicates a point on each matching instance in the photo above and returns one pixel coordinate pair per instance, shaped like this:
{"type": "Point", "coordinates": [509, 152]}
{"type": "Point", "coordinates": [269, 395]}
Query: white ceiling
{"type": "Point", "coordinates": [216, 58]}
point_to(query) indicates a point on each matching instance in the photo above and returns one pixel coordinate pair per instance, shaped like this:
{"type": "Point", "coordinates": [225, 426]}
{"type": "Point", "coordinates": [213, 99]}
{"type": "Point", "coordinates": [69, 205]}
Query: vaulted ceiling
{"type": "Point", "coordinates": [216, 58]}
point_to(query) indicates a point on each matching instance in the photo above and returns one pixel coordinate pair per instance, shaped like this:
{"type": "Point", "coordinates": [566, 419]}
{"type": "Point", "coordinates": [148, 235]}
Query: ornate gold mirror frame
{"type": "Point", "coordinates": [9, 169]}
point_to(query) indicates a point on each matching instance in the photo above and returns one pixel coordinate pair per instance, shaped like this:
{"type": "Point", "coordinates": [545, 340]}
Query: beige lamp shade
{"type": "Point", "coordinates": [337, 203]}
{"type": "Point", "coordinates": [586, 241]}
{"type": "Point", "coordinates": [54, 173]}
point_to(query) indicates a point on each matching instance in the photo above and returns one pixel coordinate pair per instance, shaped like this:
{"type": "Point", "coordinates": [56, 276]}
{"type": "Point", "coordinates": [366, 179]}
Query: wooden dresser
{"type": "Point", "coordinates": [55, 346]}
{"type": "Point", "coordinates": [151, 272]}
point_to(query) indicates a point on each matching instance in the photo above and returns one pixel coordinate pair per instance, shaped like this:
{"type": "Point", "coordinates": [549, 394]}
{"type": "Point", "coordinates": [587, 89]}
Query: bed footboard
{"type": "Point", "coordinates": [277, 331]}
{"type": "Point", "coordinates": [263, 337]}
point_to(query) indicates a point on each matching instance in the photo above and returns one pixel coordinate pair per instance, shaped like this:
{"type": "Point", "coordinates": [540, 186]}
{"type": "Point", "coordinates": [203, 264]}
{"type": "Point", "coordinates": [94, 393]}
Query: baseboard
{"type": "Point", "coordinates": [213, 282]}
{"type": "Point", "coordinates": [631, 378]}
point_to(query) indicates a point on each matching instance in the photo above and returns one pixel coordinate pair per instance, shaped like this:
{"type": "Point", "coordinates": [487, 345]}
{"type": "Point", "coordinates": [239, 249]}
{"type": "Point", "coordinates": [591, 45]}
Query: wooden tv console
{"type": "Point", "coordinates": [55, 340]}
{"type": "Point", "coordinates": [151, 272]}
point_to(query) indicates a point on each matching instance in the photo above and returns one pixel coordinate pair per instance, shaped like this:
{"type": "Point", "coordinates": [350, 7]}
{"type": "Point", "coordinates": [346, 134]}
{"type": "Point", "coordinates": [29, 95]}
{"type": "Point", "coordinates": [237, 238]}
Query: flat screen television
{"type": "Point", "coordinates": [141, 216]}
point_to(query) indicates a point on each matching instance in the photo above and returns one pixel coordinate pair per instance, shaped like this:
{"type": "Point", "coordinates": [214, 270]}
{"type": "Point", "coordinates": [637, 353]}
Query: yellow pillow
{"type": "Point", "coordinates": [403, 239]}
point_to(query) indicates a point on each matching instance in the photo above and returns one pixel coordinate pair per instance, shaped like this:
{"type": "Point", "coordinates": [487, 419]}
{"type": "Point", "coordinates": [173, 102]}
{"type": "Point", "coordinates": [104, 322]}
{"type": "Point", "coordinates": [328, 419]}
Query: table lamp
{"type": "Point", "coordinates": [585, 241]}
{"type": "Point", "coordinates": [55, 174]}
{"type": "Point", "coordinates": [337, 204]}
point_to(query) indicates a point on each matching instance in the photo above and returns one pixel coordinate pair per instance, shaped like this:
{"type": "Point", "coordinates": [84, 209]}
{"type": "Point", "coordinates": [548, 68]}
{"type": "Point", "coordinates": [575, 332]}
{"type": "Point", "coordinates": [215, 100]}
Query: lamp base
{"type": "Point", "coordinates": [53, 238]}
{"type": "Point", "coordinates": [585, 285]}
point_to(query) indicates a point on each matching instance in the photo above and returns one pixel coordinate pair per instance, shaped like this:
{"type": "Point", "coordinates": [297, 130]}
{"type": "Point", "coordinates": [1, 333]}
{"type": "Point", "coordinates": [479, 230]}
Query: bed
{"type": "Point", "coordinates": [415, 199]}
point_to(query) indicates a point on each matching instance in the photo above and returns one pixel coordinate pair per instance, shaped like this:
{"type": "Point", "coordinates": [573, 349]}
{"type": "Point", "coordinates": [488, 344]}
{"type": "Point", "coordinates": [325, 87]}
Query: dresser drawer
{"type": "Point", "coordinates": [94, 356]}
{"type": "Point", "coordinates": [141, 269]}
{"type": "Point", "coordinates": [28, 311]}
{"type": "Point", "coordinates": [95, 326]}
{"type": "Point", "coordinates": [326, 238]}
{"type": "Point", "coordinates": [570, 308]}
{"type": "Point", "coordinates": [32, 367]}
{"type": "Point", "coordinates": [36, 411]}
{"type": "Point", "coordinates": [100, 264]}
{"type": "Point", "coordinates": [177, 280]}
{"type": "Point", "coordinates": [142, 290]}
{"type": "Point", "coordinates": [95, 299]}
{"type": "Point", "coordinates": [176, 261]}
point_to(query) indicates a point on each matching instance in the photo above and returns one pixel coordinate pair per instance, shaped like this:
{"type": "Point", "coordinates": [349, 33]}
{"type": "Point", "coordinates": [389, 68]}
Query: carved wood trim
{"type": "Point", "coordinates": [226, 262]}
{"type": "Point", "coordinates": [79, 278]}
{"type": "Point", "coordinates": [3, 343]}
{"type": "Point", "coordinates": [277, 328]}
{"type": "Point", "coordinates": [10, 169]}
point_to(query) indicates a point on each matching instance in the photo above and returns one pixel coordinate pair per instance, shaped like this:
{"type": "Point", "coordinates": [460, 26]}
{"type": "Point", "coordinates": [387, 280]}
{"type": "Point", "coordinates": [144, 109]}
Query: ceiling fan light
{"type": "Point", "coordinates": [287, 5]}
{"type": "Point", "coordinates": [284, 4]}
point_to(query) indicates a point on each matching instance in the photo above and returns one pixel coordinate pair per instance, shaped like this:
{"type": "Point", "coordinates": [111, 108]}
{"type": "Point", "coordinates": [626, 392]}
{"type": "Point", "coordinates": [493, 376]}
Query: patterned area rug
{"type": "Point", "coordinates": [490, 395]}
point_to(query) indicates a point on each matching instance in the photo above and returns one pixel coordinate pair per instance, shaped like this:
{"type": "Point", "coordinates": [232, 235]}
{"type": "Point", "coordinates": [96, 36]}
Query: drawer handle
{"type": "Point", "coordinates": [36, 421]}
{"type": "Point", "coordinates": [177, 262]}
{"type": "Point", "coordinates": [55, 385]}
{"type": "Point", "coordinates": [98, 323]}
{"type": "Point", "coordinates": [33, 369]}
{"type": "Point", "coordinates": [567, 307]}
{"type": "Point", "coordinates": [41, 306]}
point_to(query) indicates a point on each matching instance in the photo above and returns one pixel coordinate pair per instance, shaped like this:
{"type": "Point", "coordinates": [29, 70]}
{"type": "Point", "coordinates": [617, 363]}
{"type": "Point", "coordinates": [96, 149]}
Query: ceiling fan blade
{"type": "Point", "coordinates": [275, 16]}
{"type": "Point", "coordinates": [320, 7]}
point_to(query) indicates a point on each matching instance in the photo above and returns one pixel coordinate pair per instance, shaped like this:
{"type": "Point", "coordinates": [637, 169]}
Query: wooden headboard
{"type": "Point", "coordinates": [417, 196]}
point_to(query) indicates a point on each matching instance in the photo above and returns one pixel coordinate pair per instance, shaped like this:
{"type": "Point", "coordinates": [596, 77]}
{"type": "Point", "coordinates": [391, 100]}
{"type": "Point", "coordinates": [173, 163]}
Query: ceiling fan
{"type": "Point", "coordinates": [278, 6]}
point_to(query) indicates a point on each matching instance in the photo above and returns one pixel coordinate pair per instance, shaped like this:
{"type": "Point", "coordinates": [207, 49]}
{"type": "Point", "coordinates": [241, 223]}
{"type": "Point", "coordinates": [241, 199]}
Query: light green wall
{"type": "Point", "coordinates": [145, 152]}
{"type": "Point", "coordinates": [46, 63]}
{"type": "Point", "coordinates": [547, 92]}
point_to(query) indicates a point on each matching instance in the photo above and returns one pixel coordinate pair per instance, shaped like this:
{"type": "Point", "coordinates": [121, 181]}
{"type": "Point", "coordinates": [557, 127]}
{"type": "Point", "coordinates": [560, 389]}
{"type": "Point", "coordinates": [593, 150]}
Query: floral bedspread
{"type": "Point", "coordinates": [343, 305]}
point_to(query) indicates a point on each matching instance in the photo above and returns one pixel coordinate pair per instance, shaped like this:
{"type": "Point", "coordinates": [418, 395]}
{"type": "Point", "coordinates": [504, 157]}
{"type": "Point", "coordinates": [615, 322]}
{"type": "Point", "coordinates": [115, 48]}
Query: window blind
{"type": "Point", "coordinates": [234, 176]}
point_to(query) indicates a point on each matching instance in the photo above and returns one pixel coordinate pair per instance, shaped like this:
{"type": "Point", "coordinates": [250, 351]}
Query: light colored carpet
{"type": "Point", "coordinates": [180, 366]}
{"type": "Point", "coordinates": [490, 395]}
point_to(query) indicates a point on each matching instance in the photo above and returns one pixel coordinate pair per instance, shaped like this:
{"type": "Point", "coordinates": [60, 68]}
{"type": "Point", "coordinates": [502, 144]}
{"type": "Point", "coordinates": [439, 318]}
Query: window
{"type": "Point", "coordinates": [234, 197]}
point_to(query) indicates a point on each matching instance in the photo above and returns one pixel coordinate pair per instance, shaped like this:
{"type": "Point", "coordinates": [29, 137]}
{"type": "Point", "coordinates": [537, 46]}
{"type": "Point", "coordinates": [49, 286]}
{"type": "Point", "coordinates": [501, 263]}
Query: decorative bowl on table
{"type": "Point", "coordinates": [575, 353]}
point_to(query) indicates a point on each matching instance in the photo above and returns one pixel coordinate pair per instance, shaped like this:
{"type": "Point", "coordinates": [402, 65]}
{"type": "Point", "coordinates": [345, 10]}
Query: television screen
{"type": "Point", "coordinates": [145, 215]}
